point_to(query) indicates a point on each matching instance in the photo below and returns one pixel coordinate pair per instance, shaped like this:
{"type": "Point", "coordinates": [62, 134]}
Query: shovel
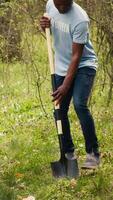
{"type": "Point", "coordinates": [64, 167]}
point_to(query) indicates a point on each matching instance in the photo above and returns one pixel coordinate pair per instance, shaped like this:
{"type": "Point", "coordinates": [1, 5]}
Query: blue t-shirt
{"type": "Point", "coordinates": [67, 28]}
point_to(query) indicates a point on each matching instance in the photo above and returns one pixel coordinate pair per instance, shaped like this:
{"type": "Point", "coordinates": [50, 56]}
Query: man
{"type": "Point", "coordinates": [75, 69]}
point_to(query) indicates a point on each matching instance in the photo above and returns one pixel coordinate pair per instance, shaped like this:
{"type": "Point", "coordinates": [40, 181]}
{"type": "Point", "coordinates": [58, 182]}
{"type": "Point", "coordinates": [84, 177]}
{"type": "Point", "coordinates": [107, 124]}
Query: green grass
{"type": "Point", "coordinates": [28, 140]}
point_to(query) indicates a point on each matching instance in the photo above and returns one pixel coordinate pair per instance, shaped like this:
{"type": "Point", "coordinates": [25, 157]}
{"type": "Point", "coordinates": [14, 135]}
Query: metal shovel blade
{"type": "Point", "coordinates": [72, 168]}
{"type": "Point", "coordinates": [69, 168]}
{"type": "Point", "coordinates": [58, 169]}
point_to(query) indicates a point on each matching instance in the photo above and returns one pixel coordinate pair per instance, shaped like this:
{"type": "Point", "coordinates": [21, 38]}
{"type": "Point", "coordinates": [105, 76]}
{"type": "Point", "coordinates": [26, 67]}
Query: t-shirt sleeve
{"type": "Point", "coordinates": [81, 33]}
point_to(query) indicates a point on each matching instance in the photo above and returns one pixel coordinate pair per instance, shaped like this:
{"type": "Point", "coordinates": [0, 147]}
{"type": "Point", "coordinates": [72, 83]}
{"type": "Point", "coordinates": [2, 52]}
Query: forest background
{"type": "Point", "coordinates": [28, 139]}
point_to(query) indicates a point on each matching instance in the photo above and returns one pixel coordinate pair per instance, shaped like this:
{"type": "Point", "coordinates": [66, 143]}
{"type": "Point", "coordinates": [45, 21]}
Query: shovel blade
{"type": "Point", "coordinates": [69, 168]}
{"type": "Point", "coordinates": [58, 169]}
{"type": "Point", "coordinates": [72, 168]}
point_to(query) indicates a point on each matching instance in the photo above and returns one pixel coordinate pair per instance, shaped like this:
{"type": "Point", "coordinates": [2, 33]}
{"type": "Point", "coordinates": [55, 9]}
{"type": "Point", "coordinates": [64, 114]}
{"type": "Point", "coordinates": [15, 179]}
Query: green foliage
{"type": "Point", "coordinates": [28, 139]}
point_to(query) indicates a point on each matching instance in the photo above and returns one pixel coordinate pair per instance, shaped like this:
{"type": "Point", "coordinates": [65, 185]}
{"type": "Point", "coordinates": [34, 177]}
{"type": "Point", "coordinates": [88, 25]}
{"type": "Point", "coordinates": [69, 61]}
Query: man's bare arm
{"type": "Point", "coordinates": [77, 50]}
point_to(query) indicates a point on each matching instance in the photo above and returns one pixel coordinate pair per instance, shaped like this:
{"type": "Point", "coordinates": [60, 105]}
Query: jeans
{"type": "Point", "coordinates": [80, 92]}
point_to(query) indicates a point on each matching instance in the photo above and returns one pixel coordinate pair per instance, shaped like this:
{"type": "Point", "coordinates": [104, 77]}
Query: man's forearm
{"type": "Point", "coordinates": [77, 50]}
{"type": "Point", "coordinates": [71, 72]}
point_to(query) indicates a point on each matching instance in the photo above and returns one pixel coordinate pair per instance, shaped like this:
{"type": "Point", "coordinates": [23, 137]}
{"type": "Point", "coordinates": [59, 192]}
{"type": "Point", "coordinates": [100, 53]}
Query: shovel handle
{"type": "Point", "coordinates": [49, 46]}
{"type": "Point", "coordinates": [51, 59]}
{"type": "Point", "coordinates": [52, 70]}
{"type": "Point", "coordinates": [50, 56]}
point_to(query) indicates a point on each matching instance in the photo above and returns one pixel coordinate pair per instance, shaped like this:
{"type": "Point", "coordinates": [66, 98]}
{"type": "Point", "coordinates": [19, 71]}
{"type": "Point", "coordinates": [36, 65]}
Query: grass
{"type": "Point", "coordinates": [28, 140]}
